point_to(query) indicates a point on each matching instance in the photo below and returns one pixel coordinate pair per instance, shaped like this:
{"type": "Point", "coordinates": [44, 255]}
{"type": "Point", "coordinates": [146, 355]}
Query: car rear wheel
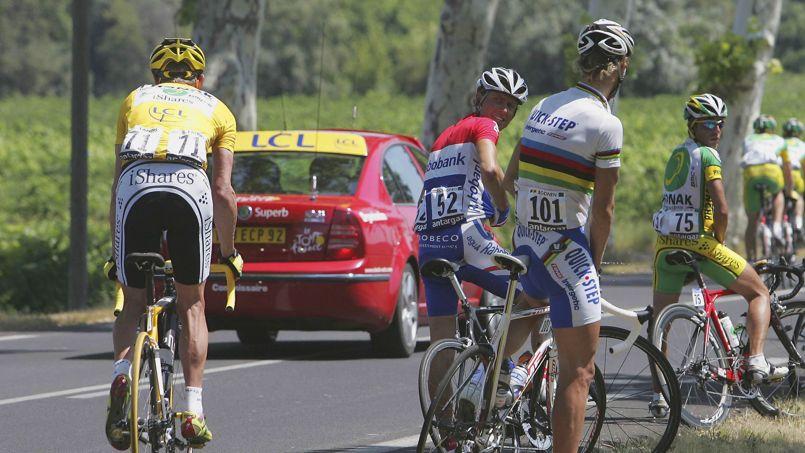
{"type": "Point", "coordinates": [256, 336]}
{"type": "Point", "coordinates": [399, 339]}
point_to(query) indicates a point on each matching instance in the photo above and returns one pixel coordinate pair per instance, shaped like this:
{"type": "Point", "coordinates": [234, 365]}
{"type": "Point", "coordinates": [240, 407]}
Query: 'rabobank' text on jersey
{"type": "Point", "coordinates": [453, 192]}
{"type": "Point", "coordinates": [565, 138]}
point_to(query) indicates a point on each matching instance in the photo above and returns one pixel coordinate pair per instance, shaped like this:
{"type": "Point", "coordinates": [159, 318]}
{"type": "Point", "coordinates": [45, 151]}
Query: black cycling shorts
{"type": "Point", "coordinates": [171, 199]}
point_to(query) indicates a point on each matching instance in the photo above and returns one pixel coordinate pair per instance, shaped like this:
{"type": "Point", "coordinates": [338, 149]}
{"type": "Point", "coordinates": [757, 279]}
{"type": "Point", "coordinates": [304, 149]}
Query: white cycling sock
{"type": "Point", "coordinates": [756, 361]}
{"type": "Point", "coordinates": [777, 230]}
{"type": "Point", "coordinates": [122, 366]}
{"type": "Point", "coordinates": [193, 395]}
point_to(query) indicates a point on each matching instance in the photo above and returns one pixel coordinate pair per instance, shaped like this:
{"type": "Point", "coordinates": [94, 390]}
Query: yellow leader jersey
{"type": "Point", "coordinates": [173, 121]}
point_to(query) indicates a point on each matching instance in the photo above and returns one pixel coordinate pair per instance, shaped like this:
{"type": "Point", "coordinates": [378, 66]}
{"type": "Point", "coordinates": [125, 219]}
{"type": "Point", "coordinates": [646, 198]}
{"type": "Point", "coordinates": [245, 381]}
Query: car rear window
{"type": "Point", "coordinates": [292, 172]}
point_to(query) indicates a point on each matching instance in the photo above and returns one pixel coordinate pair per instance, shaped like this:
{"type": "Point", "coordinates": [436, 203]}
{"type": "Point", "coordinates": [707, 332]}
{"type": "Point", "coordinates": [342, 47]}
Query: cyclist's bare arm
{"type": "Point", "coordinates": [491, 173]}
{"type": "Point", "coordinates": [118, 166]}
{"type": "Point", "coordinates": [603, 208]}
{"type": "Point", "coordinates": [720, 209]}
{"type": "Point", "coordinates": [511, 170]}
{"type": "Point", "coordinates": [224, 207]}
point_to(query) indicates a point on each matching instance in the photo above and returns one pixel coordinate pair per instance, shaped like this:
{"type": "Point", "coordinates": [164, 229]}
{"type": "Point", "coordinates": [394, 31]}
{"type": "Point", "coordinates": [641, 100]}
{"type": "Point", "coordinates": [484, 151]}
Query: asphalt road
{"type": "Point", "coordinates": [313, 391]}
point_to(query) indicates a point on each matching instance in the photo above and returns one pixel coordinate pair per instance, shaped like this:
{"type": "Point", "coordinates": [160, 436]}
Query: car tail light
{"type": "Point", "coordinates": [345, 240]}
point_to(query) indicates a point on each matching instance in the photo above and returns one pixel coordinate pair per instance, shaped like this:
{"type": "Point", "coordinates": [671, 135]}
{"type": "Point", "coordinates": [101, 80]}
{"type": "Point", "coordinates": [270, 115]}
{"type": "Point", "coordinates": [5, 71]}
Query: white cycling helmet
{"type": "Point", "coordinates": [608, 36]}
{"type": "Point", "coordinates": [504, 80]}
{"type": "Point", "coordinates": [705, 105]}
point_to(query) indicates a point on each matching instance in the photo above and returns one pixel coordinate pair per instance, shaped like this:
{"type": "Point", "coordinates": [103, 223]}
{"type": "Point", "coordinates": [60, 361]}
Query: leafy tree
{"type": "Point", "coordinates": [35, 42]}
{"type": "Point", "coordinates": [790, 45]}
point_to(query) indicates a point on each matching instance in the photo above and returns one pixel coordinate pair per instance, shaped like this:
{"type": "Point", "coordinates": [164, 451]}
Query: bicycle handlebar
{"type": "Point", "coordinates": [777, 271]}
{"type": "Point", "coordinates": [214, 269]}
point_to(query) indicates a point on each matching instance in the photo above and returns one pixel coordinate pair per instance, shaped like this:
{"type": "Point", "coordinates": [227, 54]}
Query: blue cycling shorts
{"type": "Point", "coordinates": [561, 270]}
{"type": "Point", "coordinates": [472, 246]}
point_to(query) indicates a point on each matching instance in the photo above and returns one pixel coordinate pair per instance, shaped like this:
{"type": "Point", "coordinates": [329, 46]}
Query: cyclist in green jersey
{"type": "Point", "coordinates": [762, 164]}
{"type": "Point", "coordinates": [794, 154]}
{"type": "Point", "coordinates": [694, 217]}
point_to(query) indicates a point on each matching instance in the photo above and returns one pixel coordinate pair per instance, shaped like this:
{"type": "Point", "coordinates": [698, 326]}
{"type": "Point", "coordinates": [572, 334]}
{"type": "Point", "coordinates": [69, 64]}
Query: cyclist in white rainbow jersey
{"type": "Point", "coordinates": [566, 169]}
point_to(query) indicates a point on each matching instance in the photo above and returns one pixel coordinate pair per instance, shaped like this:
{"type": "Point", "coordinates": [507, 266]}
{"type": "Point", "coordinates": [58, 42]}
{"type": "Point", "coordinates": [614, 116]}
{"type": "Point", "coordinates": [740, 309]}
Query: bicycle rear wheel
{"type": "Point", "coordinates": [679, 331]}
{"type": "Point", "coordinates": [433, 367]}
{"type": "Point", "coordinates": [631, 421]}
{"type": "Point", "coordinates": [453, 418]}
{"type": "Point", "coordinates": [781, 398]}
{"type": "Point", "coordinates": [146, 412]}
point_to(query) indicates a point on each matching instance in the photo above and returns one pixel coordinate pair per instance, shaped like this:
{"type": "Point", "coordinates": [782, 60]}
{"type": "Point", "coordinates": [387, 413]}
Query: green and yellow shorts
{"type": "Point", "coordinates": [770, 175]}
{"type": "Point", "coordinates": [722, 264]}
{"type": "Point", "coordinates": [799, 183]}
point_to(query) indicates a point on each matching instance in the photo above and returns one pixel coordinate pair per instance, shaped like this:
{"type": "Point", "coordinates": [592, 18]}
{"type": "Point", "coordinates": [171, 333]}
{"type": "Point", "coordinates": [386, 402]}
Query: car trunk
{"type": "Point", "coordinates": [294, 228]}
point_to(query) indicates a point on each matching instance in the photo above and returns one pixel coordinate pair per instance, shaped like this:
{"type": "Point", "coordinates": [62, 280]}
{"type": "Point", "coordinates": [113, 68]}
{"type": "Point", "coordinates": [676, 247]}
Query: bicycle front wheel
{"type": "Point", "coordinates": [633, 420]}
{"type": "Point", "coordinates": [781, 397]}
{"type": "Point", "coordinates": [679, 333]}
{"type": "Point", "coordinates": [453, 420]}
{"type": "Point", "coordinates": [530, 422]}
{"type": "Point", "coordinates": [145, 411]}
{"type": "Point", "coordinates": [437, 359]}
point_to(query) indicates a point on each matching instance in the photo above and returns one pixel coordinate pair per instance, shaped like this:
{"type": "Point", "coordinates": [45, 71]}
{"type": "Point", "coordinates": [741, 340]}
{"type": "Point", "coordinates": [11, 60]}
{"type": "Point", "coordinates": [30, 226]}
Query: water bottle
{"type": "Point", "coordinates": [504, 396]}
{"type": "Point", "coordinates": [729, 330]}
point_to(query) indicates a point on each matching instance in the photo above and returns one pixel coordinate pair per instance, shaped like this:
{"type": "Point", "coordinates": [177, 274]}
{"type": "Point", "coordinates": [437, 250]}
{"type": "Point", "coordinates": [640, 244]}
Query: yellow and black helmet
{"type": "Point", "coordinates": [178, 50]}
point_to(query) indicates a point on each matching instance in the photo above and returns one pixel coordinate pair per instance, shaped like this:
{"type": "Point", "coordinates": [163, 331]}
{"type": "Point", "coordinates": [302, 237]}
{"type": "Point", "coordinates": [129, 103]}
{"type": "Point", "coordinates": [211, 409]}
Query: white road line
{"type": "Point", "coordinates": [17, 337]}
{"type": "Point", "coordinates": [388, 446]}
{"type": "Point", "coordinates": [103, 389]}
{"type": "Point", "coordinates": [180, 377]}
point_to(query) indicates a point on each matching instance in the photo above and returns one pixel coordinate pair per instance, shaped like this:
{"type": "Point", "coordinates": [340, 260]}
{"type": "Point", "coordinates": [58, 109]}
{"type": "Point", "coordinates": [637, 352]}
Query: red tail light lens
{"type": "Point", "coordinates": [345, 240]}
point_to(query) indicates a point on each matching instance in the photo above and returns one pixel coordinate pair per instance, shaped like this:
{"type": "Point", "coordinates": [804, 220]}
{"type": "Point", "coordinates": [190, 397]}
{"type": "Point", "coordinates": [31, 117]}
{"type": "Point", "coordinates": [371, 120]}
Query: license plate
{"type": "Point", "coordinates": [257, 235]}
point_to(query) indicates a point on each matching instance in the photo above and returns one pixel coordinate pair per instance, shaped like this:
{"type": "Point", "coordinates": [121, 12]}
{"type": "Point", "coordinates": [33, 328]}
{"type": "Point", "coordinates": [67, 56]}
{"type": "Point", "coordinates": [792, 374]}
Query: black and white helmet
{"type": "Point", "coordinates": [608, 36]}
{"type": "Point", "coordinates": [504, 80]}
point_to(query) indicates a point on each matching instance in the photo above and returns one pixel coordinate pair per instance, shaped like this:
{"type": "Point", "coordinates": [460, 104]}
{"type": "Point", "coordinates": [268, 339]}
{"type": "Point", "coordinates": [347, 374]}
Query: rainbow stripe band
{"type": "Point", "coordinates": [555, 249]}
{"type": "Point", "coordinates": [551, 165]}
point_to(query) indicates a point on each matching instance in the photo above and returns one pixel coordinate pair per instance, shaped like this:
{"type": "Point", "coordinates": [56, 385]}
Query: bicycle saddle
{"type": "Point", "coordinates": [144, 261]}
{"type": "Point", "coordinates": [680, 257]}
{"type": "Point", "coordinates": [439, 267]}
{"type": "Point", "coordinates": [515, 265]}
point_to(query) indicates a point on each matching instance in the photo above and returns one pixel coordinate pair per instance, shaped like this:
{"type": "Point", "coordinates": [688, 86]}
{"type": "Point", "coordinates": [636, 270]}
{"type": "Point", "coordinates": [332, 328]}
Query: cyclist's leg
{"type": "Point", "coordinates": [440, 297]}
{"type": "Point", "coordinates": [189, 237]}
{"type": "Point", "coordinates": [479, 249]}
{"type": "Point", "coordinates": [778, 209]}
{"type": "Point", "coordinates": [566, 272]}
{"type": "Point", "coordinates": [752, 209]}
{"type": "Point", "coordinates": [188, 219]}
{"type": "Point", "coordinates": [576, 346]}
{"type": "Point", "coordinates": [136, 231]}
{"type": "Point", "coordinates": [668, 279]}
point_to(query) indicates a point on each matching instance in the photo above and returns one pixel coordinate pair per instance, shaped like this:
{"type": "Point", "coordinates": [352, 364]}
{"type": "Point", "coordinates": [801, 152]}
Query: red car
{"type": "Point", "coordinates": [325, 229]}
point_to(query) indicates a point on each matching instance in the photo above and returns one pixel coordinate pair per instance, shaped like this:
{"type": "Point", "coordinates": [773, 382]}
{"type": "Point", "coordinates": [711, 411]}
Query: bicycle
{"type": "Point", "coordinates": [524, 423]}
{"type": "Point", "coordinates": [770, 246]}
{"type": "Point", "coordinates": [707, 354]}
{"type": "Point", "coordinates": [152, 421]}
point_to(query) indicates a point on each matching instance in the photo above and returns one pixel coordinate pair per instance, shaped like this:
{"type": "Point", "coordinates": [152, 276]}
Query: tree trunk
{"type": "Point", "coordinates": [744, 107]}
{"type": "Point", "coordinates": [464, 31]}
{"type": "Point", "coordinates": [229, 33]}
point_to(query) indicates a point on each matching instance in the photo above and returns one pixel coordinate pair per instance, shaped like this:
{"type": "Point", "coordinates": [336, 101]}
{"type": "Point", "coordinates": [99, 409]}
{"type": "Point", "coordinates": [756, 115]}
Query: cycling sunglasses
{"type": "Point", "coordinates": [712, 124]}
{"type": "Point", "coordinates": [184, 41]}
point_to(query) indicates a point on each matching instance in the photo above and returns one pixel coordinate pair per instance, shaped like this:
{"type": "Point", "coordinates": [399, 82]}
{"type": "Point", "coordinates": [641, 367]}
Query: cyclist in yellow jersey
{"type": "Point", "coordinates": [794, 154]}
{"type": "Point", "coordinates": [694, 216]}
{"type": "Point", "coordinates": [164, 133]}
{"type": "Point", "coordinates": [762, 165]}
